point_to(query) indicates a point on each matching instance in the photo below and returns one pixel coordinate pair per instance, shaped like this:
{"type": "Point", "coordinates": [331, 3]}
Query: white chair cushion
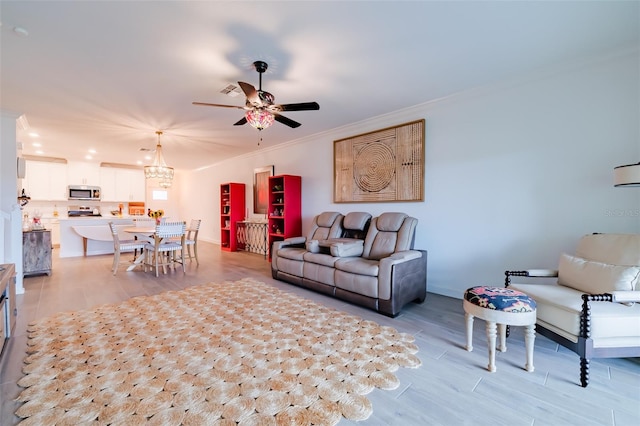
{"type": "Point", "coordinates": [596, 277]}
{"type": "Point", "coordinates": [558, 308]}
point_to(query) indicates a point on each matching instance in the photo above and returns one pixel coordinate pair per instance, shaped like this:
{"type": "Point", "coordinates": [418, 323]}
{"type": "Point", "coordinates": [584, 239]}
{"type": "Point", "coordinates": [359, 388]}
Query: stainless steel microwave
{"type": "Point", "coordinates": [83, 192]}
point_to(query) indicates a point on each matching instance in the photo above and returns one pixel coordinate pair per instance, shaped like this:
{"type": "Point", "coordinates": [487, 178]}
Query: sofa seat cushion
{"type": "Point", "coordinates": [358, 265]}
{"type": "Point", "coordinates": [292, 253]}
{"type": "Point", "coordinates": [360, 284]}
{"type": "Point", "coordinates": [561, 306]}
{"type": "Point", "coordinates": [319, 273]}
{"type": "Point", "coordinates": [596, 277]}
{"type": "Point", "coordinates": [289, 266]}
{"type": "Point", "coordinates": [320, 259]}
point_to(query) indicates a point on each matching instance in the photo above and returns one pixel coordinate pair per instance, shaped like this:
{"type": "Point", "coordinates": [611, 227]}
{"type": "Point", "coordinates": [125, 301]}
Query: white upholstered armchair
{"type": "Point", "coordinates": [594, 307]}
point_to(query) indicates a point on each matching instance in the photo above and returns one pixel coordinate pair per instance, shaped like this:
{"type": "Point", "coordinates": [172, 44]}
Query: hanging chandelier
{"type": "Point", "coordinates": [159, 169]}
{"type": "Point", "coordinates": [259, 118]}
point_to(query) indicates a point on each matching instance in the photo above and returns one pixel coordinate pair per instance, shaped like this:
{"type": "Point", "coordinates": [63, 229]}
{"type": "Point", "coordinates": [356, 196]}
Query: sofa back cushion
{"type": "Point", "coordinates": [389, 233]}
{"type": "Point", "coordinates": [326, 225]}
{"type": "Point", "coordinates": [356, 225]}
{"type": "Point", "coordinates": [616, 249]}
{"type": "Point", "coordinates": [596, 277]}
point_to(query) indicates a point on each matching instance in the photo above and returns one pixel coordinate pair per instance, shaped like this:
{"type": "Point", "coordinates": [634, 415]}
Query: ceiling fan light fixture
{"type": "Point", "coordinates": [259, 118]}
{"type": "Point", "coordinates": [159, 169]}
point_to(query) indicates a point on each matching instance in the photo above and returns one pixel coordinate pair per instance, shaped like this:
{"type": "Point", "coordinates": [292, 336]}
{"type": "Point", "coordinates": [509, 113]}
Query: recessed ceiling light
{"type": "Point", "coordinates": [88, 157]}
{"type": "Point", "coordinates": [147, 157]}
{"type": "Point", "coordinates": [92, 151]}
{"type": "Point", "coordinates": [139, 163]}
{"type": "Point", "coordinates": [36, 144]}
{"type": "Point", "coordinates": [39, 152]}
{"type": "Point", "coordinates": [34, 135]}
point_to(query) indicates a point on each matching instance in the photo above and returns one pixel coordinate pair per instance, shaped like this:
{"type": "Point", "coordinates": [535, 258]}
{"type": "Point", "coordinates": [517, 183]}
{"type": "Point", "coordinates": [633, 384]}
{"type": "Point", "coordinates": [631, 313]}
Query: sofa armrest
{"type": "Point", "coordinates": [351, 248]}
{"type": "Point", "coordinates": [289, 242]}
{"type": "Point", "coordinates": [312, 246]}
{"type": "Point", "coordinates": [625, 296]}
{"type": "Point", "coordinates": [402, 278]}
{"type": "Point", "coordinates": [385, 269]}
{"type": "Point", "coordinates": [531, 273]}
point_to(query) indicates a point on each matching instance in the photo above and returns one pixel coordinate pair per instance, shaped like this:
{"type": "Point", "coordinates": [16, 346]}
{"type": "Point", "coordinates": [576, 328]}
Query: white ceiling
{"type": "Point", "coordinates": [106, 75]}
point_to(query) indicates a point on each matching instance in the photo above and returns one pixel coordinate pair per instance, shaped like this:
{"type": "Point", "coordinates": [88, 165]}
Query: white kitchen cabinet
{"type": "Point", "coordinates": [55, 232]}
{"type": "Point", "coordinates": [132, 183]}
{"type": "Point", "coordinates": [122, 185]}
{"type": "Point", "coordinates": [45, 180]}
{"type": "Point", "coordinates": [81, 173]}
{"type": "Point", "coordinates": [108, 184]}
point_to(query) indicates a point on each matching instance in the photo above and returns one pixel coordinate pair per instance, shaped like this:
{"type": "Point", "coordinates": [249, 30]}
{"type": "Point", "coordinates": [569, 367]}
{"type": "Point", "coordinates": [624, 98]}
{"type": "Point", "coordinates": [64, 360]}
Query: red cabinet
{"type": "Point", "coordinates": [232, 210]}
{"type": "Point", "coordinates": [285, 208]}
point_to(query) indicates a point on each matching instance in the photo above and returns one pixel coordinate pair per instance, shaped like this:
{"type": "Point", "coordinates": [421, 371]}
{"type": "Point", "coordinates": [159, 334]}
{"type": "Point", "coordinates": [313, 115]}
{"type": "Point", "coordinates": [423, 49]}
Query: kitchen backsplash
{"type": "Point", "coordinates": [47, 208]}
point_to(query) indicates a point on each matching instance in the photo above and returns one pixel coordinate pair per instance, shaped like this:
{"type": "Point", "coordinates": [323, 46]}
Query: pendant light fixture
{"type": "Point", "coordinates": [628, 175]}
{"type": "Point", "coordinates": [159, 169]}
{"type": "Point", "coordinates": [259, 118]}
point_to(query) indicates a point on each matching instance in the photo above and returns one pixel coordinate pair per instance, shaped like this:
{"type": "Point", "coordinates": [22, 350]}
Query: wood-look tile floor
{"type": "Point", "coordinates": [452, 387]}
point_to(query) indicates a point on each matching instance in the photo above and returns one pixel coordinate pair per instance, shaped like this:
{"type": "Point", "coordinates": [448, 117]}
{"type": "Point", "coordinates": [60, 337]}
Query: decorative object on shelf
{"type": "Point", "coordinates": [628, 175]}
{"type": "Point", "coordinates": [37, 222]}
{"type": "Point", "coordinates": [156, 214]}
{"type": "Point", "coordinates": [159, 169]}
{"type": "Point", "coordinates": [23, 199]}
{"type": "Point", "coordinates": [261, 189]}
{"type": "Point", "coordinates": [381, 166]}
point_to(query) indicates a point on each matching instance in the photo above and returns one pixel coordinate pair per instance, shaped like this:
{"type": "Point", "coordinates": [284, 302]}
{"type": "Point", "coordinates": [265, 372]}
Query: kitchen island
{"type": "Point", "coordinates": [88, 236]}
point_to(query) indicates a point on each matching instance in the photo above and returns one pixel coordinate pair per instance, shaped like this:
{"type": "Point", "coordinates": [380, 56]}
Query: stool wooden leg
{"type": "Point", "coordinates": [491, 340]}
{"type": "Point", "coordinates": [469, 320]}
{"type": "Point", "coordinates": [529, 339]}
{"type": "Point", "coordinates": [502, 331]}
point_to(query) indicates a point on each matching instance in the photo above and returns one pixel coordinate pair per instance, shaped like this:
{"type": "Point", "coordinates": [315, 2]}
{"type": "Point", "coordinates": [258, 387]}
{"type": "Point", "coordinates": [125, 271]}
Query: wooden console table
{"type": "Point", "coordinates": [252, 236]}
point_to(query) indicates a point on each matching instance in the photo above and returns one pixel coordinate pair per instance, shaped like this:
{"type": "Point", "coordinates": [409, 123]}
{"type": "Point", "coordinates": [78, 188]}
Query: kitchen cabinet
{"type": "Point", "coordinates": [54, 225]}
{"type": "Point", "coordinates": [81, 173]}
{"type": "Point", "coordinates": [45, 180]}
{"type": "Point", "coordinates": [122, 185]}
{"type": "Point", "coordinates": [36, 252]}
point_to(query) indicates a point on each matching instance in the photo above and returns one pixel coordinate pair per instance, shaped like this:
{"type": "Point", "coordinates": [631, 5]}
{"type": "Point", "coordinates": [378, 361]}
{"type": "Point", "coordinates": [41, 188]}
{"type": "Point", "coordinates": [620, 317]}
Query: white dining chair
{"type": "Point", "coordinates": [168, 240]}
{"type": "Point", "coordinates": [122, 246]}
{"type": "Point", "coordinates": [192, 239]}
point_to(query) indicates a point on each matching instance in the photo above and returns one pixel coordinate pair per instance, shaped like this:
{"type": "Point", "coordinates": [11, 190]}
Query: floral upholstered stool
{"type": "Point", "coordinates": [501, 306]}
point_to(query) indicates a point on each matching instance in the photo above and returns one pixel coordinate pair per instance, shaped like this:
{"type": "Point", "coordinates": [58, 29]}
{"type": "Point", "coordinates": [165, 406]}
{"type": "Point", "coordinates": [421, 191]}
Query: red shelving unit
{"type": "Point", "coordinates": [232, 210]}
{"type": "Point", "coordinates": [285, 208]}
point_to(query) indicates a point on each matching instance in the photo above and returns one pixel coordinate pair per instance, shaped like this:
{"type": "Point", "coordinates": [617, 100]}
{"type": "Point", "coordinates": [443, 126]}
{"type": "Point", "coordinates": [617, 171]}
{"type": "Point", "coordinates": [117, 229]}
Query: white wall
{"type": "Point", "coordinates": [514, 174]}
{"type": "Point", "coordinates": [10, 216]}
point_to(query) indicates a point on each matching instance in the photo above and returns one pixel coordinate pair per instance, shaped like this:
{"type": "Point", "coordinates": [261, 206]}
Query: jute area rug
{"type": "Point", "coordinates": [231, 353]}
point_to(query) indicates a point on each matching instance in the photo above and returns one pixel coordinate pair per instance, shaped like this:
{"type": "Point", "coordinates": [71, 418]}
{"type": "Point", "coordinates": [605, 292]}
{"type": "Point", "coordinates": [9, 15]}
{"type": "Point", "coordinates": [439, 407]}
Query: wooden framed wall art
{"type": "Point", "coordinates": [380, 166]}
{"type": "Point", "coordinates": [261, 189]}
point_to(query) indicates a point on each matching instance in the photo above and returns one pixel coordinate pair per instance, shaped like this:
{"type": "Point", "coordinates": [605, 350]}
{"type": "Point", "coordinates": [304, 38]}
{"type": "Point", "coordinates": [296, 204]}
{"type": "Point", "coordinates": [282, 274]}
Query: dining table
{"type": "Point", "coordinates": [145, 233]}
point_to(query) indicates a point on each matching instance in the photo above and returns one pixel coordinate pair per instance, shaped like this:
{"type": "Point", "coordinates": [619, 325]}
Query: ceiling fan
{"type": "Point", "coordinates": [260, 109]}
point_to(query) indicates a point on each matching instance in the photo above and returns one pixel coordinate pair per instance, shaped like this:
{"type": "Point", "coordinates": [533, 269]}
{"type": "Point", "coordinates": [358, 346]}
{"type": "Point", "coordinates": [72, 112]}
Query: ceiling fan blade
{"type": "Point", "coordinates": [251, 93]}
{"type": "Point", "coordinates": [286, 121]}
{"type": "Point", "coordinates": [217, 105]}
{"type": "Point", "coordinates": [304, 106]}
{"type": "Point", "coordinates": [241, 122]}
